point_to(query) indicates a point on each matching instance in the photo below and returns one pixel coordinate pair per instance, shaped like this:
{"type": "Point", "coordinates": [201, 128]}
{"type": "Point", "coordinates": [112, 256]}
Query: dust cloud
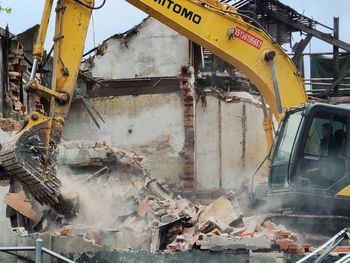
{"type": "Point", "coordinates": [104, 201]}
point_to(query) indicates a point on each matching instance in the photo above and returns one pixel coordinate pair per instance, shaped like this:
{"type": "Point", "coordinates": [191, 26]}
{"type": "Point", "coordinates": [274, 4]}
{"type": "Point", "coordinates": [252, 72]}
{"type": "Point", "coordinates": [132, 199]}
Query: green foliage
{"type": "Point", "coordinates": [5, 9]}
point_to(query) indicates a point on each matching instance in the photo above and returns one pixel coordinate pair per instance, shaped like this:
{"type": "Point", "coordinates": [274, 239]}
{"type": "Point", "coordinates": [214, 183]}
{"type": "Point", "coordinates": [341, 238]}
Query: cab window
{"type": "Point", "coordinates": [324, 155]}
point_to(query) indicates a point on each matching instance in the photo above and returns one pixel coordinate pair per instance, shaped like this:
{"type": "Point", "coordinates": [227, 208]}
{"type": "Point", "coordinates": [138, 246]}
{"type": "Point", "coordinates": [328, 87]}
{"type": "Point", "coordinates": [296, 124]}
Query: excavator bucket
{"type": "Point", "coordinates": [30, 158]}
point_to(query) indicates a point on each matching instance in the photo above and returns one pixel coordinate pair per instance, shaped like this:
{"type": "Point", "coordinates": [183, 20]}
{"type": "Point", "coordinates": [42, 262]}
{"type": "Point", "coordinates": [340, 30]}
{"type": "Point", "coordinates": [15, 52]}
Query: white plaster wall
{"type": "Point", "coordinates": [155, 51]}
{"type": "Point", "coordinates": [232, 145]}
{"type": "Point", "coordinates": [151, 125]}
{"type": "Point", "coordinates": [207, 146]}
{"type": "Point", "coordinates": [220, 162]}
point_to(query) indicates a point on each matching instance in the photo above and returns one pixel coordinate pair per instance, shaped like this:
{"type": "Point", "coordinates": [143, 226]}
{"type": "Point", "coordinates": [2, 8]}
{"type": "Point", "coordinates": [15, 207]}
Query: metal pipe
{"type": "Point", "coordinates": [325, 84]}
{"type": "Point", "coordinates": [344, 259]}
{"type": "Point", "coordinates": [38, 250]}
{"type": "Point", "coordinates": [17, 248]}
{"type": "Point", "coordinates": [34, 69]}
{"type": "Point", "coordinates": [269, 57]}
{"type": "Point", "coordinates": [325, 245]}
{"type": "Point", "coordinates": [311, 79]}
{"type": "Point", "coordinates": [275, 86]}
{"type": "Point", "coordinates": [56, 255]}
{"type": "Point", "coordinates": [317, 53]}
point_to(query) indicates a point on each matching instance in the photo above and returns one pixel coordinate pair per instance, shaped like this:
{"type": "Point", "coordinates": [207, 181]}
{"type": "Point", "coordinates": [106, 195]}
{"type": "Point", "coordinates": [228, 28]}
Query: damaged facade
{"type": "Point", "coordinates": [193, 141]}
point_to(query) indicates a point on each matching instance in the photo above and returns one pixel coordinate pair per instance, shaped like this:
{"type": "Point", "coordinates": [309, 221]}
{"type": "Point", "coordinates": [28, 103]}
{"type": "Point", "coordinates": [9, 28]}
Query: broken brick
{"type": "Point", "coordinates": [284, 243]}
{"type": "Point", "coordinates": [307, 247]}
{"type": "Point", "coordinates": [342, 249]}
{"type": "Point", "coordinates": [143, 209]}
{"type": "Point", "coordinates": [63, 232]}
{"type": "Point", "coordinates": [216, 231]}
{"type": "Point", "coordinates": [293, 237]}
{"type": "Point", "coordinates": [206, 226]}
{"type": "Point", "coordinates": [295, 249]}
{"type": "Point", "coordinates": [237, 233]}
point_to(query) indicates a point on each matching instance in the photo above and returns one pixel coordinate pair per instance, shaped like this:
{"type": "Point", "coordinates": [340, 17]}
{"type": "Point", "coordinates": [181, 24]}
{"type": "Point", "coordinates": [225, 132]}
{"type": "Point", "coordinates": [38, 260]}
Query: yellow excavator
{"type": "Point", "coordinates": [310, 138]}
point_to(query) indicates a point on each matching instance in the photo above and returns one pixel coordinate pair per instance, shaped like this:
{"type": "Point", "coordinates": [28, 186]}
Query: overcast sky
{"type": "Point", "coordinates": [117, 16]}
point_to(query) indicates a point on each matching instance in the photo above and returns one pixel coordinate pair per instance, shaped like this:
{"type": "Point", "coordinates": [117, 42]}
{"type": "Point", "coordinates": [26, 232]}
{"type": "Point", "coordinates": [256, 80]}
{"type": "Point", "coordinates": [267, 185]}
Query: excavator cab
{"type": "Point", "coordinates": [309, 165]}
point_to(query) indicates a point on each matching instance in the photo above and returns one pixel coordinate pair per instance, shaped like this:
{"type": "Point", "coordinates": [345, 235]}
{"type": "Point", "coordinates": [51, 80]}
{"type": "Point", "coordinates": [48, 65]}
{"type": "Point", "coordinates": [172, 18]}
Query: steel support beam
{"type": "Point", "coordinates": [336, 65]}
{"type": "Point", "coordinates": [300, 27]}
{"type": "Point", "coordinates": [124, 87]}
{"type": "Point", "coordinates": [298, 53]}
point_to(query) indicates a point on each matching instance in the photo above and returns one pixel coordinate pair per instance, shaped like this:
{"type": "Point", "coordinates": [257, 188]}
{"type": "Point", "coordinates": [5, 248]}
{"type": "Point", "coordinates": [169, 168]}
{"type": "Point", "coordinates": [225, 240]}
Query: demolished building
{"type": "Point", "coordinates": [202, 145]}
{"type": "Point", "coordinates": [191, 125]}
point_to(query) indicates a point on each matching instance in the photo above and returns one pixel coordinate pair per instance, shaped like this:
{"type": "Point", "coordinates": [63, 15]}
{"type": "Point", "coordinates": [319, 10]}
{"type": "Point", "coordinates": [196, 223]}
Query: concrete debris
{"type": "Point", "coordinates": [266, 257]}
{"type": "Point", "coordinates": [161, 223]}
{"type": "Point", "coordinates": [225, 210]}
{"type": "Point", "coordinates": [219, 243]}
{"type": "Point", "coordinates": [86, 153]}
{"type": "Point", "coordinates": [131, 210]}
{"type": "Point", "coordinates": [9, 124]}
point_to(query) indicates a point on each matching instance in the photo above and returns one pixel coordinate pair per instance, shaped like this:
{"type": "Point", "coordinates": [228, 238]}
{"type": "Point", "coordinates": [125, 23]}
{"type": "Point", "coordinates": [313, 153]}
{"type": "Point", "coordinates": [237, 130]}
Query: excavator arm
{"type": "Point", "coordinates": [30, 157]}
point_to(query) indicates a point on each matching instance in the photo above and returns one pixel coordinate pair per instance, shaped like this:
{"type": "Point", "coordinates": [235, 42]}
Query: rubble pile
{"type": "Point", "coordinates": [135, 211]}
{"type": "Point", "coordinates": [217, 227]}
{"type": "Point", "coordinates": [155, 221]}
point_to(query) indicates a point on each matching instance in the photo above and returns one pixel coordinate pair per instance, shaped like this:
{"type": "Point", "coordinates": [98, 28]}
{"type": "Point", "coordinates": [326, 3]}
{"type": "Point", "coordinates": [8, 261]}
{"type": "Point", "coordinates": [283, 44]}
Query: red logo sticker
{"type": "Point", "coordinates": [248, 38]}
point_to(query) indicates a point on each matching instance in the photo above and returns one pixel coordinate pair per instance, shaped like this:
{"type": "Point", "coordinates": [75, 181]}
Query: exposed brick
{"type": "Point", "coordinates": [295, 249]}
{"type": "Point", "coordinates": [237, 233]}
{"type": "Point", "coordinates": [143, 209]}
{"type": "Point", "coordinates": [307, 247]}
{"type": "Point", "coordinates": [293, 237]}
{"type": "Point", "coordinates": [284, 243]}
{"type": "Point", "coordinates": [188, 185]}
{"type": "Point", "coordinates": [188, 100]}
{"type": "Point", "coordinates": [63, 232]}
{"type": "Point", "coordinates": [216, 231]}
{"type": "Point", "coordinates": [342, 249]}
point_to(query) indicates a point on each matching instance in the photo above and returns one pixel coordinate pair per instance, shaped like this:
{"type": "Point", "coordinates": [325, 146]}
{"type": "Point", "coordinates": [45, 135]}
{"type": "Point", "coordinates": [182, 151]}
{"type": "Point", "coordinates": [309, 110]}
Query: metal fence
{"type": "Point", "coordinates": [39, 251]}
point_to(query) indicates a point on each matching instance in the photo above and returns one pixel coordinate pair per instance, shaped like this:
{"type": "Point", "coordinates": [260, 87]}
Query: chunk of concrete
{"type": "Point", "coordinates": [224, 210]}
{"type": "Point", "coordinates": [270, 257]}
{"type": "Point", "coordinates": [219, 243]}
